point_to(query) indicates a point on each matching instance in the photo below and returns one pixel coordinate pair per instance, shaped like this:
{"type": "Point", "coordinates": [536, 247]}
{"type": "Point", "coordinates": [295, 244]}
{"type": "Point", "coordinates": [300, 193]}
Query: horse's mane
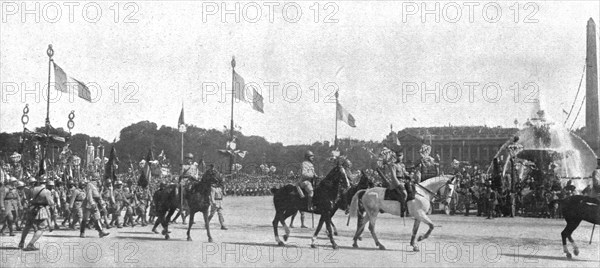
{"type": "Point", "coordinates": [328, 180]}
{"type": "Point", "coordinates": [437, 179]}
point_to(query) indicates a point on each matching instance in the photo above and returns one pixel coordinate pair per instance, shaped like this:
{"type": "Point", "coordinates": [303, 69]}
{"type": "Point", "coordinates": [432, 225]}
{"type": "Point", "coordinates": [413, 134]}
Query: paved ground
{"type": "Point", "coordinates": [457, 241]}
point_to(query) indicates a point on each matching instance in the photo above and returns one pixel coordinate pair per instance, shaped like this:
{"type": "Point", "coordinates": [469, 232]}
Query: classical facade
{"type": "Point", "coordinates": [472, 144]}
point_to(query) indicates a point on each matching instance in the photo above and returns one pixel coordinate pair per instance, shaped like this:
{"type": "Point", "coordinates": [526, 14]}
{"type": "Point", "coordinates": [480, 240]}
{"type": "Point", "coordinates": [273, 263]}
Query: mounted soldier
{"type": "Point", "coordinates": [307, 178]}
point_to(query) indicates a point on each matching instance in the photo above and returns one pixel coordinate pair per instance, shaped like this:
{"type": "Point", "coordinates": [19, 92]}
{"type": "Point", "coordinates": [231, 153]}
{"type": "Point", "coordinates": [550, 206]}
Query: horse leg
{"type": "Point", "coordinates": [372, 230]}
{"type": "Point", "coordinates": [206, 223]}
{"type": "Point", "coordinates": [360, 218]}
{"type": "Point", "coordinates": [165, 223]}
{"type": "Point", "coordinates": [285, 227]}
{"type": "Point", "coordinates": [566, 234]}
{"type": "Point", "coordinates": [427, 221]}
{"type": "Point", "coordinates": [328, 226]}
{"type": "Point", "coordinates": [292, 220]}
{"type": "Point", "coordinates": [191, 222]}
{"type": "Point", "coordinates": [414, 234]}
{"type": "Point", "coordinates": [360, 227]}
{"type": "Point", "coordinates": [276, 221]}
{"type": "Point", "coordinates": [319, 226]}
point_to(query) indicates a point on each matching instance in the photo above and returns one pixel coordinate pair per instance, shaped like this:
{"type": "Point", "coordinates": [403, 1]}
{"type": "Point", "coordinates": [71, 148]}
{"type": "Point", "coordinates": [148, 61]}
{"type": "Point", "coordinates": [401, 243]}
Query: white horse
{"type": "Point", "coordinates": [373, 202]}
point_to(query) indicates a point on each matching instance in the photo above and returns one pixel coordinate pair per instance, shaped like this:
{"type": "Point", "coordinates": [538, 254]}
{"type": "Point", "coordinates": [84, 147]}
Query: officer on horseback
{"type": "Point", "coordinates": [307, 177]}
{"type": "Point", "coordinates": [401, 181]}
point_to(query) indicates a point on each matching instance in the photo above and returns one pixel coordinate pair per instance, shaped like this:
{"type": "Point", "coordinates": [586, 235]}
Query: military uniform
{"type": "Point", "coordinates": [9, 206]}
{"type": "Point", "coordinates": [91, 209]}
{"type": "Point", "coordinates": [129, 203]}
{"type": "Point", "coordinates": [117, 206]}
{"type": "Point", "coordinates": [216, 195]}
{"type": "Point", "coordinates": [143, 198]}
{"type": "Point", "coordinates": [76, 206]}
{"type": "Point", "coordinates": [38, 215]}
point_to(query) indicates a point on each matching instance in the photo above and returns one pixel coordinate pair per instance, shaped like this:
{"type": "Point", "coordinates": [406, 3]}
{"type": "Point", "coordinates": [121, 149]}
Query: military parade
{"type": "Point", "coordinates": [312, 180]}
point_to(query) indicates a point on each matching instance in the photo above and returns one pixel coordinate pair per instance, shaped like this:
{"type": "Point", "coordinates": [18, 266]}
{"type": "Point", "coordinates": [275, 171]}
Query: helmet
{"type": "Point", "coordinates": [81, 184]}
{"type": "Point", "coordinates": [12, 179]}
{"type": "Point", "coordinates": [108, 181]}
{"type": "Point", "coordinates": [20, 184]}
{"type": "Point", "coordinates": [189, 155]}
{"type": "Point", "coordinates": [308, 154]}
{"type": "Point", "coordinates": [50, 183]}
{"type": "Point", "coordinates": [118, 183]}
{"type": "Point", "coordinates": [32, 180]}
{"type": "Point", "coordinates": [42, 179]}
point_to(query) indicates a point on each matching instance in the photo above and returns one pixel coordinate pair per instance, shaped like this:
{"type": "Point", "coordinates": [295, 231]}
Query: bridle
{"type": "Point", "coordinates": [435, 195]}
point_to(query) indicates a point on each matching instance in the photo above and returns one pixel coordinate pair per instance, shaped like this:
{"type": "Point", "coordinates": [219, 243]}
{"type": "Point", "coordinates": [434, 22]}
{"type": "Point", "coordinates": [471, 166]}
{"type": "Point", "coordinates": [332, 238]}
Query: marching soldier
{"type": "Point", "coordinates": [66, 195]}
{"type": "Point", "coordinates": [9, 205]}
{"type": "Point", "coordinates": [108, 197]}
{"type": "Point", "coordinates": [144, 199]}
{"type": "Point", "coordinates": [56, 200]}
{"type": "Point", "coordinates": [117, 205]}
{"type": "Point", "coordinates": [38, 215]}
{"type": "Point", "coordinates": [216, 194]}
{"type": "Point", "coordinates": [23, 203]}
{"type": "Point", "coordinates": [76, 204]}
{"type": "Point", "coordinates": [129, 202]}
{"type": "Point", "coordinates": [91, 209]}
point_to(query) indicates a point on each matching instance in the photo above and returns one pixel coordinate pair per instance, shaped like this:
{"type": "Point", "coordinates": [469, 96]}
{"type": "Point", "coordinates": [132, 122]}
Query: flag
{"type": "Point", "coordinates": [146, 175]}
{"type": "Point", "coordinates": [239, 92]}
{"type": "Point", "coordinates": [238, 87]}
{"type": "Point", "coordinates": [110, 169]}
{"type": "Point", "coordinates": [83, 91]}
{"type": "Point", "coordinates": [181, 123]}
{"type": "Point", "coordinates": [60, 79]}
{"type": "Point", "coordinates": [345, 116]}
{"type": "Point", "coordinates": [257, 103]}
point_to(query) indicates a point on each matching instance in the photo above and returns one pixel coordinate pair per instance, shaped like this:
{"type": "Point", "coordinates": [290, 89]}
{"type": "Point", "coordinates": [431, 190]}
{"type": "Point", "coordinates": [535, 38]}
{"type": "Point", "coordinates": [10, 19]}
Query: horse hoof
{"type": "Point", "coordinates": [210, 240]}
{"type": "Point", "coordinates": [335, 233]}
{"type": "Point", "coordinates": [167, 237]}
{"type": "Point", "coordinates": [334, 246]}
{"type": "Point", "coordinates": [189, 239]}
{"type": "Point", "coordinates": [285, 237]}
{"type": "Point", "coordinates": [355, 245]}
{"type": "Point", "coordinates": [281, 244]}
{"type": "Point", "coordinates": [381, 247]}
{"type": "Point", "coordinates": [569, 256]}
{"type": "Point", "coordinates": [313, 246]}
{"type": "Point", "coordinates": [155, 231]}
{"type": "Point", "coordinates": [416, 249]}
{"type": "Point", "coordinates": [420, 238]}
{"type": "Point", "coordinates": [576, 252]}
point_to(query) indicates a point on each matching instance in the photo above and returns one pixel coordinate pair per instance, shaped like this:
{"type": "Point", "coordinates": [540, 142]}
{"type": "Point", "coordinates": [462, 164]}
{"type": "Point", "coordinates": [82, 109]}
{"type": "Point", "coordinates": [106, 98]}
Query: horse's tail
{"type": "Point", "coordinates": [354, 204]}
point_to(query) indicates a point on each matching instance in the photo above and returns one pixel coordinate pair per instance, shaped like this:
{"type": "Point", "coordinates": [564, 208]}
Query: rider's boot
{"type": "Point", "coordinates": [310, 204]}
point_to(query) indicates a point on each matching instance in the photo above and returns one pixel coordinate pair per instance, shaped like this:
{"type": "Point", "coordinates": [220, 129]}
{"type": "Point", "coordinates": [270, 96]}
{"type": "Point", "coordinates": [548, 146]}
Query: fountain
{"type": "Point", "coordinates": [544, 143]}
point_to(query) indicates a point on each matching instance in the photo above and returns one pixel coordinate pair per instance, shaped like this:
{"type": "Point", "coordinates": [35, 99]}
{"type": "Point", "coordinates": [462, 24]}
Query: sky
{"type": "Point", "coordinates": [143, 60]}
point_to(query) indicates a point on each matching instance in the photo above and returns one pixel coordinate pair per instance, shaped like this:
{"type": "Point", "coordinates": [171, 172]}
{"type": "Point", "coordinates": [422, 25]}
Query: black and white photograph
{"type": "Point", "coordinates": [309, 133]}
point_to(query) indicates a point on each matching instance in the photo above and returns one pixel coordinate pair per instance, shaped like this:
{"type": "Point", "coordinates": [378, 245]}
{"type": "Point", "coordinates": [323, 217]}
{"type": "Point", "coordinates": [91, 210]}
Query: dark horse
{"type": "Point", "coordinates": [327, 193]}
{"type": "Point", "coordinates": [169, 200]}
{"type": "Point", "coordinates": [575, 209]}
{"type": "Point", "coordinates": [344, 202]}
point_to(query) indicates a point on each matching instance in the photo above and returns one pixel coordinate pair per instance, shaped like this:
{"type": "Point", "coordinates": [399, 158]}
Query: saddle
{"type": "Point", "coordinates": [392, 195]}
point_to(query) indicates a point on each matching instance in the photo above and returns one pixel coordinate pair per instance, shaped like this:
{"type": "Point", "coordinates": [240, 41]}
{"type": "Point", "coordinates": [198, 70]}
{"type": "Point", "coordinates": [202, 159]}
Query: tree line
{"type": "Point", "coordinates": [136, 140]}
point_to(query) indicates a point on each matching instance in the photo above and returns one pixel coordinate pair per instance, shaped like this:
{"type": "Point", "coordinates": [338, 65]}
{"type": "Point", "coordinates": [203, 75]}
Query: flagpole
{"type": "Point", "coordinates": [231, 160]}
{"type": "Point", "coordinates": [50, 53]}
{"type": "Point", "coordinates": [335, 142]}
